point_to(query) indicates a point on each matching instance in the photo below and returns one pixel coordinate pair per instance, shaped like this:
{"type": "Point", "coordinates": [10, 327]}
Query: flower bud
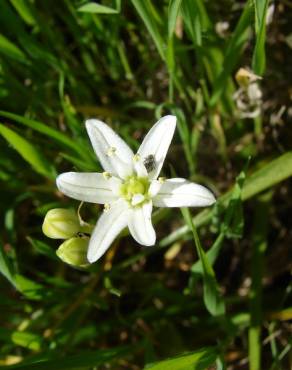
{"type": "Point", "coordinates": [60, 223]}
{"type": "Point", "coordinates": [73, 251]}
{"type": "Point", "coordinates": [245, 77]}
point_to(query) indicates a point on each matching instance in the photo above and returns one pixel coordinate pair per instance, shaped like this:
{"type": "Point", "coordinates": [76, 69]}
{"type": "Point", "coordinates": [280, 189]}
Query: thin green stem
{"type": "Point", "coordinates": [259, 247]}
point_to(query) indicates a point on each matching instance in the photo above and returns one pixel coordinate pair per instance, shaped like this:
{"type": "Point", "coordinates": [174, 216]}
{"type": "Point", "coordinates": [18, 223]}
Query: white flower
{"type": "Point", "coordinates": [130, 186]}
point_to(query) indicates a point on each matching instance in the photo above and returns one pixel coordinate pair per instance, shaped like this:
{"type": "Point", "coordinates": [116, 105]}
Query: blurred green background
{"type": "Point", "coordinates": [128, 63]}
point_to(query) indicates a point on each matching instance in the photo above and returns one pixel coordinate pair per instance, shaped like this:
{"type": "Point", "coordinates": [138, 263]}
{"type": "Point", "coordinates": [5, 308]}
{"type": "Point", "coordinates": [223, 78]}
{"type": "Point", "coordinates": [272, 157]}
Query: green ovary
{"type": "Point", "coordinates": [133, 186]}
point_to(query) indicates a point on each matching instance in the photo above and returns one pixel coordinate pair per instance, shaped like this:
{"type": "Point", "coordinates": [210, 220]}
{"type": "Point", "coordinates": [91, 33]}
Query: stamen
{"type": "Point", "coordinates": [106, 207]}
{"type": "Point", "coordinates": [106, 175]}
{"type": "Point", "coordinates": [111, 151]}
{"type": "Point", "coordinates": [161, 180]}
{"type": "Point", "coordinates": [136, 157]}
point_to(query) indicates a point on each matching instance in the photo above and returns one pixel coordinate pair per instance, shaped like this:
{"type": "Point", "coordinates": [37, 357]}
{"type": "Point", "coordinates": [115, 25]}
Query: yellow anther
{"type": "Point", "coordinates": [136, 157]}
{"type": "Point", "coordinates": [161, 180]}
{"type": "Point", "coordinates": [111, 151]}
{"type": "Point", "coordinates": [106, 207]}
{"type": "Point", "coordinates": [106, 175]}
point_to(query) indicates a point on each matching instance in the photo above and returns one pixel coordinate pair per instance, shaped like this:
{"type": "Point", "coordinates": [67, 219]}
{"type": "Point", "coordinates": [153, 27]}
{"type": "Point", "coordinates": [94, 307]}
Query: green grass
{"type": "Point", "coordinates": [216, 287]}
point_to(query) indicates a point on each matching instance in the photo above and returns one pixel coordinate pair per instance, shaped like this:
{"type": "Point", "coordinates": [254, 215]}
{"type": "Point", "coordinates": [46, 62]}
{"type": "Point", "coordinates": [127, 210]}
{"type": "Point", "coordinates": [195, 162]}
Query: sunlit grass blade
{"type": "Point", "coordinates": [200, 359]}
{"type": "Point", "coordinates": [44, 129]}
{"type": "Point", "coordinates": [25, 11]}
{"type": "Point", "coordinates": [29, 152]}
{"type": "Point", "coordinates": [92, 7]}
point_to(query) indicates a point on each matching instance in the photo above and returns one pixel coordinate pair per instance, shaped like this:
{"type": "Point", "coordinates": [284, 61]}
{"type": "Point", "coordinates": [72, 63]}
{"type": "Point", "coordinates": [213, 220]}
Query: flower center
{"type": "Point", "coordinates": [135, 190]}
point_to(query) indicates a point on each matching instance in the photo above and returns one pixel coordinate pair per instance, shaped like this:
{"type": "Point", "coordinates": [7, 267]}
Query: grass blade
{"type": "Point", "coordinates": [173, 11]}
{"type": "Point", "coordinates": [266, 177]}
{"type": "Point", "coordinates": [212, 298]}
{"type": "Point", "coordinates": [44, 129]}
{"type": "Point", "coordinates": [84, 360]}
{"type": "Point", "coordinates": [12, 51]}
{"type": "Point", "coordinates": [144, 10]}
{"type": "Point", "coordinates": [259, 54]}
{"type": "Point", "coordinates": [259, 238]}
{"type": "Point", "coordinates": [97, 8]}
{"type": "Point", "coordinates": [198, 360]}
{"type": "Point", "coordinates": [29, 152]}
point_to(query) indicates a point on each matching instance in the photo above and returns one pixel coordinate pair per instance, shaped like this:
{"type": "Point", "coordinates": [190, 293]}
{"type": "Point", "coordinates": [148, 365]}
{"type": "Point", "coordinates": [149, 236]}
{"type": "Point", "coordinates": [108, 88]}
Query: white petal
{"type": "Point", "coordinates": [140, 169]}
{"type": "Point", "coordinates": [140, 225]}
{"type": "Point", "coordinates": [154, 188]}
{"type": "Point", "coordinates": [182, 193]}
{"type": "Point", "coordinates": [157, 141]}
{"type": "Point", "coordinates": [109, 225]}
{"type": "Point", "coordinates": [113, 153]}
{"type": "Point", "coordinates": [85, 186]}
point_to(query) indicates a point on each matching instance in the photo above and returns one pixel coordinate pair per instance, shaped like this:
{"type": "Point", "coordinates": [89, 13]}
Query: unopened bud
{"type": "Point", "coordinates": [73, 251]}
{"type": "Point", "coordinates": [60, 223]}
{"type": "Point", "coordinates": [244, 77]}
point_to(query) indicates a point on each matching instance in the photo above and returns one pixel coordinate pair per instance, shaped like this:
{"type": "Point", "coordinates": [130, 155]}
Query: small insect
{"type": "Point", "coordinates": [149, 162]}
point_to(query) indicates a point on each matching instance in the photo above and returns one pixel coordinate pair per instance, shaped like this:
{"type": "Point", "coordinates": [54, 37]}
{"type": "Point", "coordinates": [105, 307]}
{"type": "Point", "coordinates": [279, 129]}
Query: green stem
{"type": "Point", "coordinates": [259, 244]}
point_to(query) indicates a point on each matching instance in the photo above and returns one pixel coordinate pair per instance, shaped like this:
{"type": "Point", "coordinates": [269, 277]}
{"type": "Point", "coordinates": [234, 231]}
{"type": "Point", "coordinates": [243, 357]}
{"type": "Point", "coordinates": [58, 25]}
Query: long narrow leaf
{"type": "Point", "coordinates": [259, 55]}
{"type": "Point", "coordinates": [212, 297]}
{"type": "Point", "coordinates": [28, 152]}
{"type": "Point", "coordinates": [43, 129]}
{"type": "Point", "coordinates": [269, 175]}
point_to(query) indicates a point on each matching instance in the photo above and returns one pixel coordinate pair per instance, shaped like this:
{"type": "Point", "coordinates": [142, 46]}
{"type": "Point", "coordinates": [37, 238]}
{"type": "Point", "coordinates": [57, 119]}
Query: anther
{"type": "Point", "coordinates": [106, 175]}
{"type": "Point", "coordinates": [136, 157]}
{"type": "Point", "coordinates": [111, 151]}
{"type": "Point", "coordinates": [161, 180]}
{"type": "Point", "coordinates": [106, 207]}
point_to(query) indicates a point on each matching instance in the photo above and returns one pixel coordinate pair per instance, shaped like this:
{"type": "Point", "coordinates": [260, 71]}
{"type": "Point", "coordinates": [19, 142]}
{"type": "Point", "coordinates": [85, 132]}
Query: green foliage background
{"type": "Point", "coordinates": [216, 289]}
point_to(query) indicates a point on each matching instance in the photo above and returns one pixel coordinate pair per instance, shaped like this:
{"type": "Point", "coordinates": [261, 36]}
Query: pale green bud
{"type": "Point", "coordinates": [60, 223]}
{"type": "Point", "coordinates": [73, 251]}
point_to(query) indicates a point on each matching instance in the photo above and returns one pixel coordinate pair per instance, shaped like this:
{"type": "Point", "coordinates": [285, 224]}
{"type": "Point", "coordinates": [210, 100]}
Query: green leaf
{"type": "Point", "coordinates": [22, 338]}
{"type": "Point", "coordinates": [144, 10]}
{"type": "Point", "coordinates": [212, 254]}
{"type": "Point", "coordinates": [233, 222]}
{"type": "Point", "coordinates": [27, 340]}
{"type": "Point", "coordinates": [269, 175]}
{"type": "Point", "coordinates": [212, 297]}
{"type": "Point", "coordinates": [24, 285]}
{"type": "Point", "coordinates": [173, 10]}
{"type": "Point", "coordinates": [259, 54]}
{"type": "Point", "coordinates": [233, 52]}
{"type": "Point", "coordinates": [96, 8]}
{"type": "Point", "coordinates": [43, 129]}
{"type": "Point", "coordinates": [84, 360]}
{"type": "Point", "coordinates": [11, 50]}
{"type": "Point", "coordinates": [6, 267]}
{"type": "Point", "coordinates": [43, 248]}
{"type": "Point", "coordinates": [29, 288]}
{"type": "Point", "coordinates": [23, 9]}
{"type": "Point", "coordinates": [28, 152]}
{"type": "Point", "coordinates": [199, 360]}
{"type": "Point", "coordinates": [231, 227]}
